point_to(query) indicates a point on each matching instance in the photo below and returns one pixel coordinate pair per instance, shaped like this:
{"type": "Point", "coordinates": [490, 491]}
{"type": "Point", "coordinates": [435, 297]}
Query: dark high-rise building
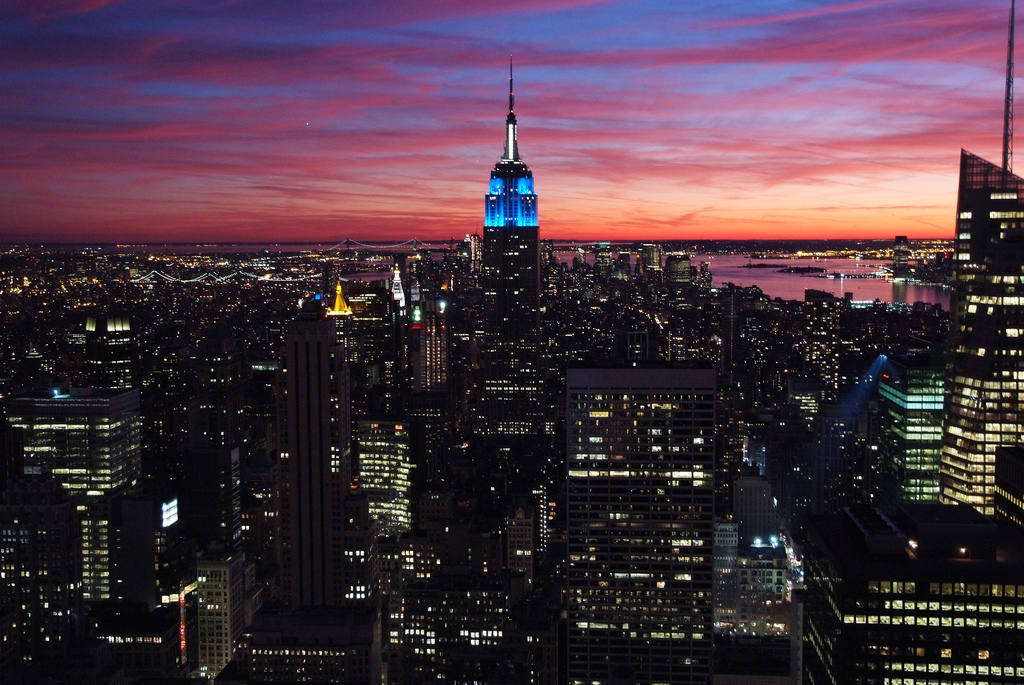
{"type": "Point", "coordinates": [148, 550]}
{"type": "Point", "coordinates": [678, 271]}
{"type": "Point", "coordinates": [754, 508]}
{"type": "Point", "coordinates": [640, 524]}
{"type": "Point", "coordinates": [453, 628]}
{"type": "Point", "coordinates": [428, 345]}
{"type": "Point", "coordinates": [821, 334]}
{"type": "Point", "coordinates": [40, 567]}
{"type": "Point", "coordinates": [89, 440]}
{"type": "Point", "coordinates": [371, 343]}
{"type": "Point", "coordinates": [650, 261]}
{"type": "Point", "coordinates": [910, 407]}
{"type": "Point", "coordinates": [111, 352]}
{"type": "Point", "coordinates": [315, 459]}
{"type": "Point", "coordinates": [984, 390]}
{"type": "Point", "coordinates": [603, 258]}
{"type": "Point", "coordinates": [1009, 497]}
{"type": "Point", "coordinates": [511, 269]}
{"type": "Point", "coordinates": [211, 498]}
{"type": "Point", "coordinates": [621, 268]}
{"type": "Point", "coordinates": [327, 540]}
{"type": "Point", "coordinates": [901, 257]}
{"type": "Point", "coordinates": [927, 593]}
{"type": "Point", "coordinates": [371, 322]}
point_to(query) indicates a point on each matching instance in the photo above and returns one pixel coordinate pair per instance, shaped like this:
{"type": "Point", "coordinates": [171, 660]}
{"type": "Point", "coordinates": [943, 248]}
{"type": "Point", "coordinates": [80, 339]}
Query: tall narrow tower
{"type": "Point", "coordinates": [984, 388]}
{"type": "Point", "coordinates": [1008, 101]}
{"type": "Point", "coordinates": [512, 281]}
{"type": "Point", "coordinates": [315, 460]}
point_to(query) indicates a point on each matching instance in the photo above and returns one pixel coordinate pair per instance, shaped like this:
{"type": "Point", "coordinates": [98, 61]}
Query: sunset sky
{"type": "Point", "coordinates": [229, 120]}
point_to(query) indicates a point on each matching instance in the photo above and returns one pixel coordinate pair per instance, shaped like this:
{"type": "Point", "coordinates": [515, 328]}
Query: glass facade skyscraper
{"type": "Point", "coordinates": [984, 391]}
{"type": "Point", "coordinates": [910, 404]}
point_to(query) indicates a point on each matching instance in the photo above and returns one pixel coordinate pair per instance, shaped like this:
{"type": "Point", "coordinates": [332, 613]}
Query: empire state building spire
{"type": "Point", "coordinates": [511, 153]}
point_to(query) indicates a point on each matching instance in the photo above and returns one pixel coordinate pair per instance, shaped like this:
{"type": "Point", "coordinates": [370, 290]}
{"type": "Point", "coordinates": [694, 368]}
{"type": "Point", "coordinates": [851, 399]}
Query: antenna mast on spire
{"type": "Point", "coordinates": [1008, 105]}
{"type": "Point", "coordinates": [511, 92]}
{"type": "Point", "coordinates": [511, 151]}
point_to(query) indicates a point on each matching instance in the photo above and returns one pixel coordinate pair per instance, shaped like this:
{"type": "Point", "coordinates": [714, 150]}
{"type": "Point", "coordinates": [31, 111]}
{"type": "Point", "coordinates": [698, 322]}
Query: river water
{"type": "Point", "coordinates": [791, 286]}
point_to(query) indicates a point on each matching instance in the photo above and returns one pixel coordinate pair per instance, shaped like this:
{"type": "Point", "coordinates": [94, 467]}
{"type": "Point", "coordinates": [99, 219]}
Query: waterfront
{"type": "Point", "coordinates": [791, 286]}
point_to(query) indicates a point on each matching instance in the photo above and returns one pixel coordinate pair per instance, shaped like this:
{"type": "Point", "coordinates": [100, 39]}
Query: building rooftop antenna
{"type": "Point", "coordinates": [1008, 105]}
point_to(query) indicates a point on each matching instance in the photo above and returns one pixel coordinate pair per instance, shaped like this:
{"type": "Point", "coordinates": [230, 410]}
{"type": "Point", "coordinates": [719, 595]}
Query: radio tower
{"type": "Point", "coordinates": [1008, 105]}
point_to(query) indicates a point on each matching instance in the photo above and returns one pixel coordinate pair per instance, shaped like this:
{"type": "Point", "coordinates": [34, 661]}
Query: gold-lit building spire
{"type": "Point", "coordinates": [340, 307]}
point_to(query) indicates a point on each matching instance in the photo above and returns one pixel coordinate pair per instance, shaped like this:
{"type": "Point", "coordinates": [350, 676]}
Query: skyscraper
{"type": "Point", "coordinates": [40, 567]}
{"type": "Point", "coordinates": [511, 266]}
{"type": "Point", "coordinates": [650, 261]}
{"type": "Point", "coordinates": [385, 473]}
{"type": "Point", "coordinates": [678, 272]}
{"type": "Point", "coordinates": [926, 593]}
{"type": "Point", "coordinates": [755, 511]}
{"type": "Point", "coordinates": [821, 332]}
{"type": "Point", "coordinates": [910, 406]}
{"type": "Point", "coordinates": [985, 380]}
{"type": "Point", "coordinates": [221, 586]}
{"type": "Point", "coordinates": [640, 452]}
{"type": "Point", "coordinates": [428, 346]}
{"type": "Point", "coordinates": [901, 257]}
{"type": "Point", "coordinates": [89, 440]}
{"type": "Point", "coordinates": [316, 470]}
{"type": "Point", "coordinates": [111, 352]}
{"type": "Point", "coordinates": [984, 389]}
{"type": "Point", "coordinates": [211, 498]}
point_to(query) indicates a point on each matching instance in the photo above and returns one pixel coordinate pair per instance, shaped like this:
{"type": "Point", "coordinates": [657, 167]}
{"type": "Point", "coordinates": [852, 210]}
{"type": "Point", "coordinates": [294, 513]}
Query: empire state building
{"type": "Point", "coordinates": [511, 261]}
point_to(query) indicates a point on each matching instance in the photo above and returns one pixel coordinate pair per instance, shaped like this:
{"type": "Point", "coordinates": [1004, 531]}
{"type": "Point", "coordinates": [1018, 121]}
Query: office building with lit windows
{"type": "Point", "coordinates": [220, 584]}
{"type": "Point", "coordinates": [910, 410]}
{"type": "Point", "coordinates": [143, 643]}
{"type": "Point", "coordinates": [1009, 499]}
{"type": "Point", "coordinates": [640, 524]}
{"type": "Point", "coordinates": [89, 441]}
{"type": "Point", "coordinates": [984, 389]}
{"type": "Point", "coordinates": [385, 473]}
{"type": "Point", "coordinates": [453, 628]}
{"type": "Point", "coordinates": [821, 335]}
{"type": "Point", "coordinates": [929, 593]}
{"type": "Point", "coordinates": [313, 646]}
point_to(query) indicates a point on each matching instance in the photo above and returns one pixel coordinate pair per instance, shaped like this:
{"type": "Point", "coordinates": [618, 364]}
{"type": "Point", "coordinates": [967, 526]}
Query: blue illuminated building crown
{"type": "Point", "coordinates": [510, 199]}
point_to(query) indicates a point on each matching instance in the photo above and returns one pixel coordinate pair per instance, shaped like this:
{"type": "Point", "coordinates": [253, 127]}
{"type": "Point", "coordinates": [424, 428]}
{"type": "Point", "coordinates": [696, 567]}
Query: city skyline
{"type": "Point", "coordinates": [137, 122]}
